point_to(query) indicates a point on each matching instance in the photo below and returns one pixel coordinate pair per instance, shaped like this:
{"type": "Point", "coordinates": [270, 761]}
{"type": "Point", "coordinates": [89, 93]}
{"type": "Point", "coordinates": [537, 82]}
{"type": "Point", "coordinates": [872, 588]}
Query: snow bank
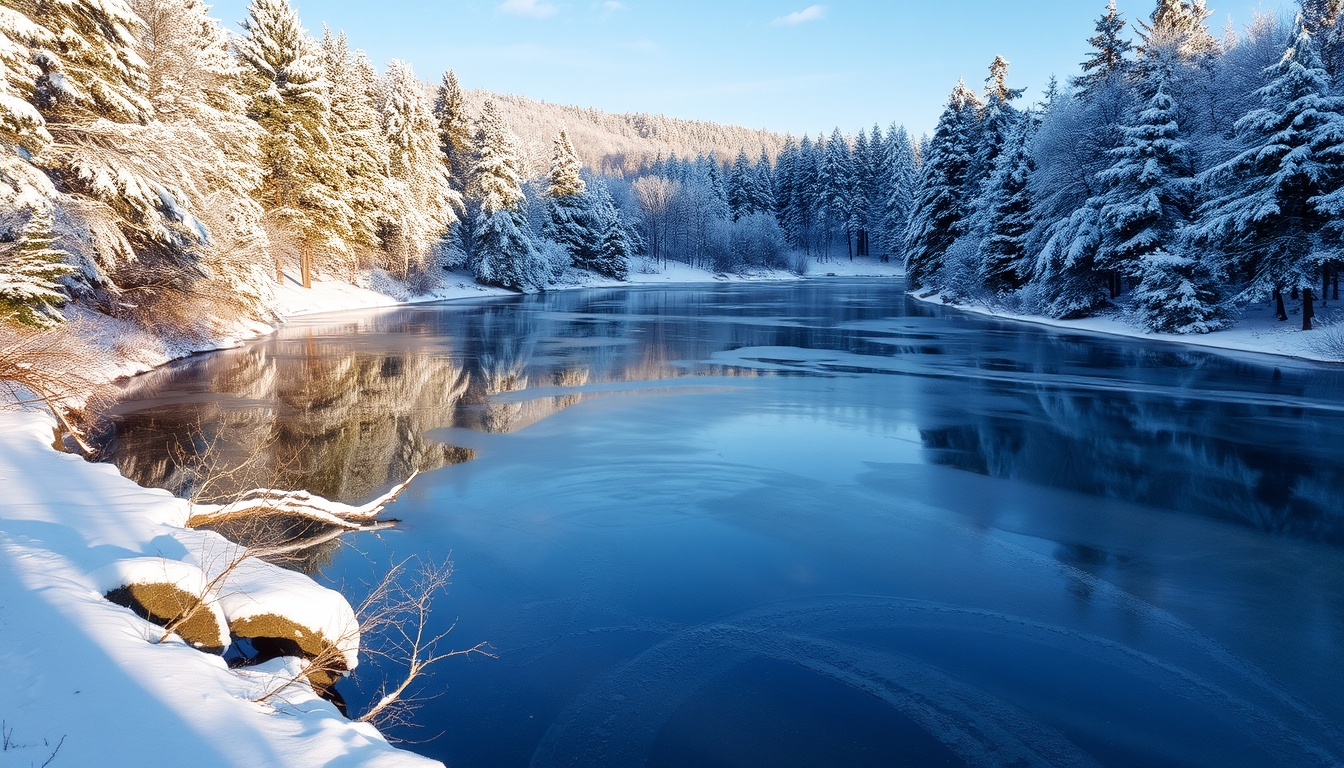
{"type": "Point", "coordinates": [1257, 330]}
{"type": "Point", "coordinates": [77, 667]}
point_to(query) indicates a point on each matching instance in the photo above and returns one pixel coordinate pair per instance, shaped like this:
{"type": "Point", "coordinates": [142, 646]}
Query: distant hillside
{"type": "Point", "coordinates": [615, 144]}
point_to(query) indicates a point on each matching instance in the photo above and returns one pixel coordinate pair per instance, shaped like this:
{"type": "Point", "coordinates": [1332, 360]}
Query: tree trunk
{"type": "Point", "coordinates": [1280, 311]}
{"type": "Point", "coordinates": [1295, 293]}
{"type": "Point", "coordinates": [279, 268]}
{"type": "Point", "coordinates": [1325, 284]}
{"type": "Point", "coordinates": [306, 265]}
{"type": "Point", "coordinates": [1336, 285]}
{"type": "Point", "coordinates": [1308, 309]}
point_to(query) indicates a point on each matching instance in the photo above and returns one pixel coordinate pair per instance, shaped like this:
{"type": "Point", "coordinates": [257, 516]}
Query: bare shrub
{"type": "Point", "coordinates": [54, 368]}
{"type": "Point", "coordinates": [1329, 340]}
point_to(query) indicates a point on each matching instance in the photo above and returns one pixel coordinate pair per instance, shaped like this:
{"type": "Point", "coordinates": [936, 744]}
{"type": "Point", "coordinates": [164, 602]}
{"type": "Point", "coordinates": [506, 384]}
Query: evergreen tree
{"type": "Point", "coordinates": [21, 124]}
{"type": "Point", "coordinates": [572, 219]}
{"type": "Point", "coordinates": [1177, 294]}
{"type": "Point", "coordinates": [29, 271]}
{"type": "Point", "coordinates": [302, 190]}
{"type": "Point", "coordinates": [1148, 193]}
{"type": "Point", "coordinates": [1009, 215]}
{"type": "Point", "coordinates": [617, 246]}
{"type": "Point", "coordinates": [1107, 63]}
{"type": "Point", "coordinates": [902, 184]}
{"type": "Point", "coordinates": [1179, 27]}
{"type": "Point", "coordinates": [505, 253]}
{"type": "Point", "coordinates": [941, 203]}
{"type": "Point", "coordinates": [423, 197]}
{"type": "Point", "coordinates": [739, 185]}
{"type": "Point", "coordinates": [1272, 205]}
{"type": "Point", "coordinates": [763, 185]}
{"type": "Point", "coordinates": [836, 202]}
{"type": "Point", "coordinates": [361, 149]}
{"type": "Point", "coordinates": [863, 190]}
{"type": "Point", "coordinates": [455, 133]}
{"type": "Point", "coordinates": [996, 121]}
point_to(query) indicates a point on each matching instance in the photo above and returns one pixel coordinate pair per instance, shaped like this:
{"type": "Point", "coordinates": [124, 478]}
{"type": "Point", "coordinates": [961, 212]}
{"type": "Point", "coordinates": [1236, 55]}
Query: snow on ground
{"type": "Point", "coordinates": [1256, 330]}
{"type": "Point", "coordinates": [79, 672]}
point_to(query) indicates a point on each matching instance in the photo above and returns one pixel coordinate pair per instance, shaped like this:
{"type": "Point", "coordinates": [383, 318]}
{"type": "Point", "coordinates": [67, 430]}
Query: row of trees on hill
{"type": "Point", "coordinates": [154, 166]}
{"type": "Point", "coordinates": [1177, 176]}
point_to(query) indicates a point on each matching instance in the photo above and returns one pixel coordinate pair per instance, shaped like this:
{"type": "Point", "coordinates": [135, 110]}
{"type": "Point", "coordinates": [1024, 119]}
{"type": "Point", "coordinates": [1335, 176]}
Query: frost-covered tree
{"type": "Point", "coordinates": [455, 132]}
{"type": "Point", "coordinates": [902, 176]}
{"type": "Point", "coordinates": [572, 219]}
{"type": "Point", "coordinates": [1179, 26]}
{"type": "Point", "coordinates": [1008, 214]}
{"type": "Point", "coordinates": [941, 203]}
{"type": "Point", "coordinates": [21, 124]}
{"type": "Point", "coordinates": [617, 246]}
{"type": "Point", "coordinates": [1107, 62]}
{"type": "Point", "coordinates": [423, 199]}
{"type": "Point", "coordinates": [360, 147]}
{"type": "Point", "coordinates": [836, 189]}
{"type": "Point", "coordinates": [303, 185]}
{"type": "Point", "coordinates": [739, 185]}
{"type": "Point", "coordinates": [1148, 192]}
{"type": "Point", "coordinates": [30, 271]}
{"type": "Point", "coordinates": [1271, 207]}
{"type": "Point", "coordinates": [505, 253]}
{"type": "Point", "coordinates": [1177, 294]}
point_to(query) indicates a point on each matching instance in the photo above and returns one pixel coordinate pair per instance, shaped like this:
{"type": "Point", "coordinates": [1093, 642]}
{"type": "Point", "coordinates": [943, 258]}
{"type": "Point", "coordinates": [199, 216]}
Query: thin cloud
{"type": "Point", "coordinates": [535, 9]}
{"type": "Point", "coordinates": [810, 13]}
{"type": "Point", "coordinates": [611, 8]}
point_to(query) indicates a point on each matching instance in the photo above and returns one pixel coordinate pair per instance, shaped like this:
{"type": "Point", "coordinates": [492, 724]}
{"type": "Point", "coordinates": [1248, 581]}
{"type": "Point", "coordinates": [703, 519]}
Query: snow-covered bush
{"type": "Point", "coordinates": [1329, 340]}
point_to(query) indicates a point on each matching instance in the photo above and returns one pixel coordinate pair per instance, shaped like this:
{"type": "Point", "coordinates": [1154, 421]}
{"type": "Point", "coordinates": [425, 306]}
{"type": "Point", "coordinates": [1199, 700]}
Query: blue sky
{"type": "Point", "coordinates": [786, 65]}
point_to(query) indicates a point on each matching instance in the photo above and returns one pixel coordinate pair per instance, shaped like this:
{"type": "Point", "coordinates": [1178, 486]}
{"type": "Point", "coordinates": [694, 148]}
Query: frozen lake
{"type": "Point", "coordinates": [812, 524]}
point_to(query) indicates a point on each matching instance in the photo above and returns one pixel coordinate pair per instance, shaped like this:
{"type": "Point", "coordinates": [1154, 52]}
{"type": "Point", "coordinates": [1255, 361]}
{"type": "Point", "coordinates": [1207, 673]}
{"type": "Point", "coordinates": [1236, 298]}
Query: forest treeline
{"type": "Point", "coordinates": [158, 167]}
{"type": "Point", "coordinates": [1177, 176]}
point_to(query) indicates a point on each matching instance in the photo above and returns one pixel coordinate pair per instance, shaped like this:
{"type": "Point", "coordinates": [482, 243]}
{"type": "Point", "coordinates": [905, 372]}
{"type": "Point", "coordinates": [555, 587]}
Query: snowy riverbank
{"type": "Point", "coordinates": [1255, 330]}
{"type": "Point", "coordinates": [84, 679]}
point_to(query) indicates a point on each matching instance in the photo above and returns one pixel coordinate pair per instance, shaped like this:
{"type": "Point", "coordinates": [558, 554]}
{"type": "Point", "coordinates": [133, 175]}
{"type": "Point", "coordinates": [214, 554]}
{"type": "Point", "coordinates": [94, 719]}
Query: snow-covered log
{"type": "Point", "coordinates": [277, 523]}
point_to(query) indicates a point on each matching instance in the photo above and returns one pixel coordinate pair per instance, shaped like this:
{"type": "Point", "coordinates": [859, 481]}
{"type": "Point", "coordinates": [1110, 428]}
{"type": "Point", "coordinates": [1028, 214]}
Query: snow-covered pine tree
{"type": "Point", "coordinates": [21, 124]}
{"type": "Point", "coordinates": [617, 246]}
{"type": "Point", "coordinates": [303, 187]}
{"type": "Point", "coordinates": [202, 133]}
{"type": "Point", "coordinates": [941, 202]}
{"type": "Point", "coordinates": [1271, 206]}
{"type": "Point", "coordinates": [763, 185]}
{"type": "Point", "coordinates": [1107, 62]}
{"type": "Point", "coordinates": [862, 192]}
{"type": "Point", "coordinates": [801, 214]}
{"type": "Point", "coordinates": [740, 201]}
{"type": "Point", "coordinates": [836, 203]}
{"type": "Point", "coordinates": [92, 91]}
{"type": "Point", "coordinates": [1179, 26]}
{"type": "Point", "coordinates": [30, 269]}
{"type": "Point", "coordinates": [360, 146]}
{"type": "Point", "coordinates": [1177, 294]}
{"type": "Point", "coordinates": [505, 253]}
{"type": "Point", "coordinates": [902, 184]}
{"type": "Point", "coordinates": [455, 132]}
{"type": "Point", "coordinates": [1148, 192]}
{"type": "Point", "coordinates": [424, 198]}
{"type": "Point", "coordinates": [784, 187]}
{"type": "Point", "coordinates": [996, 121]}
{"type": "Point", "coordinates": [571, 217]}
{"type": "Point", "coordinates": [1008, 215]}
{"type": "Point", "coordinates": [718, 188]}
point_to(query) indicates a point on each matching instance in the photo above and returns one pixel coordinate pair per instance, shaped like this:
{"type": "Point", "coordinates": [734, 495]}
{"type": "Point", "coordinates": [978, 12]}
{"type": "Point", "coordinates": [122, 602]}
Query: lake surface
{"type": "Point", "coordinates": [810, 524]}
